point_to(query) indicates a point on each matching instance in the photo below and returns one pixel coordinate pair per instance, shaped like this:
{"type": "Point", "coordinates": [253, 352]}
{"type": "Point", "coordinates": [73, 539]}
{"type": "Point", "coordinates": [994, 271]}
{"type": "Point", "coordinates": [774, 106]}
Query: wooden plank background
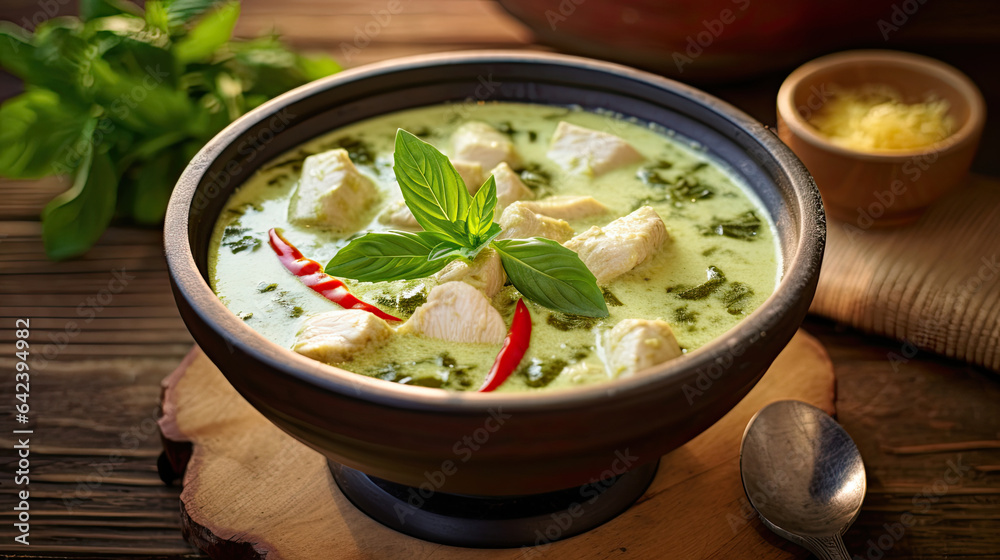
{"type": "Point", "coordinates": [94, 487]}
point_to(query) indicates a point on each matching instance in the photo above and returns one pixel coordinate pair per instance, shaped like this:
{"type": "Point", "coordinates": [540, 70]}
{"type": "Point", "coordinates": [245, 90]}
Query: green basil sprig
{"type": "Point", "coordinates": [123, 96]}
{"type": "Point", "coordinates": [551, 275]}
{"type": "Point", "coordinates": [459, 226]}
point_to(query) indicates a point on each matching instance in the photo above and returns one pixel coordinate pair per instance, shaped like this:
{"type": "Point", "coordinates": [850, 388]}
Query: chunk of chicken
{"type": "Point", "coordinates": [397, 214]}
{"type": "Point", "coordinates": [582, 150]}
{"type": "Point", "coordinates": [510, 188]}
{"type": "Point", "coordinates": [471, 172]}
{"type": "Point", "coordinates": [457, 312]}
{"type": "Point", "coordinates": [485, 273]}
{"type": "Point", "coordinates": [336, 336]}
{"type": "Point", "coordinates": [621, 245]}
{"type": "Point", "coordinates": [636, 344]}
{"type": "Point", "coordinates": [332, 193]}
{"type": "Point", "coordinates": [483, 144]}
{"type": "Point", "coordinates": [519, 222]}
{"type": "Point", "coordinates": [567, 207]}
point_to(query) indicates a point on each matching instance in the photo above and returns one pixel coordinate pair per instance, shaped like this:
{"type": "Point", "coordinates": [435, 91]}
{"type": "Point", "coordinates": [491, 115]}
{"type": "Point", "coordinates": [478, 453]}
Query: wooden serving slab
{"type": "Point", "coordinates": [253, 492]}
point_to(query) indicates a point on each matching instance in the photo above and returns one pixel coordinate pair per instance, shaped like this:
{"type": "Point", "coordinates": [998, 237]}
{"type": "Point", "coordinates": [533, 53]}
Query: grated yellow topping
{"type": "Point", "coordinates": [875, 117]}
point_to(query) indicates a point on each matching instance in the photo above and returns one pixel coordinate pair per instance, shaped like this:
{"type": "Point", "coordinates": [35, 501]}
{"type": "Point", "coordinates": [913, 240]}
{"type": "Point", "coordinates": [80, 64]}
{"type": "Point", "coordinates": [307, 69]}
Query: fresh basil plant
{"type": "Point", "coordinates": [122, 97]}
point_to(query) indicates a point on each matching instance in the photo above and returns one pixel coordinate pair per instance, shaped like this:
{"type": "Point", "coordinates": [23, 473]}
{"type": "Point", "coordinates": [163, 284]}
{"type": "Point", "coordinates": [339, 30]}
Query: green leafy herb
{"type": "Point", "coordinates": [386, 256]}
{"type": "Point", "coordinates": [264, 288]}
{"type": "Point", "coordinates": [27, 154]}
{"type": "Point", "coordinates": [457, 226]}
{"type": "Point", "coordinates": [122, 98]}
{"type": "Point", "coordinates": [551, 275]}
{"type": "Point", "coordinates": [736, 298]}
{"type": "Point", "coordinates": [539, 373]}
{"type": "Point", "coordinates": [568, 322]}
{"type": "Point", "coordinates": [285, 300]}
{"type": "Point", "coordinates": [691, 190]}
{"type": "Point", "coordinates": [481, 211]}
{"type": "Point", "coordinates": [610, 298]}
{"type": "Point", "coordinates": [406, 301]}
{"type": "Point", "coordinates": [76, 218]}
{"type": "Point", "coordinates": [745, 227]}
{"type": "Point", "coordinates": [679, 190]}
{"type": "Point", "coordinates": [534, 177]}
{"type": "Point", "coordinates": [426, 381]}
{"type": "Point", "coordinates": [211, 32]}
{"type": "Point", "coordinates": [716, 278]}
{"type": "Point", "coordinates": [237, 240]}
{"type": "Point", "coordinates": [651, 174]}
{"type": "Point", "coordinates": [684, 316]}
{"type": "Point", "coordinates": [506, 128]}
{"type": "Point", "coordinates": [388, 372]}
{"type": "Point", "coordinates": [359, 151]}
{"type": "Point", "coordinates": [432, 188]}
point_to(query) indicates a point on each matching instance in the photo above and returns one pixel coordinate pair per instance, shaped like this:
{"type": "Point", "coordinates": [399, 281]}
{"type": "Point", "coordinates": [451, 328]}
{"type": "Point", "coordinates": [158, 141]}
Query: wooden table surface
{"type": "Point", "coordinates": [107, 331]}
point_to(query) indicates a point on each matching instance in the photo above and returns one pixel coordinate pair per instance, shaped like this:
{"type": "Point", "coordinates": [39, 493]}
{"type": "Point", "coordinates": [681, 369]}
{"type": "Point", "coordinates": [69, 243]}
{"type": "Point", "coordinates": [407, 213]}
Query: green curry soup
{"type": "Point", "coordinates": [720, 264]}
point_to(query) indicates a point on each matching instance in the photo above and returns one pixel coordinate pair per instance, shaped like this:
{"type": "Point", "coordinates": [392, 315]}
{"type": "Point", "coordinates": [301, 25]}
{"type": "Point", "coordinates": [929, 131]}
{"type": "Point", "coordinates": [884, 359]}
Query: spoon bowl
{"type": "Point", "coordinates": [803, 474]}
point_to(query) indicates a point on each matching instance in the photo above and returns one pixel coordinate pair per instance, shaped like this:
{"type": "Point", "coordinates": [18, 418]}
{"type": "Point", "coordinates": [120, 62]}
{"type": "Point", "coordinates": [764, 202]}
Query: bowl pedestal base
{"type": "Point", "coordinates": [253, 492]}
{"type": "Point", "coordinates": [489, 521]}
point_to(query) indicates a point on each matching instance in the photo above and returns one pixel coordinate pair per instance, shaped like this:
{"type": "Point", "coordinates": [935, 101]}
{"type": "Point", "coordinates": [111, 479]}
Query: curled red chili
{"type": "Point", "coordinates": [311, 274]}
{"type": "Point", "coordinates": [514, 347]}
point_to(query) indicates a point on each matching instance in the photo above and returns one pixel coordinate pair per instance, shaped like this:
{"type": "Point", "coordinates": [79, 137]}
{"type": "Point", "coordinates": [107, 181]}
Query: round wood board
{"type": "Point", "coordinates": [251, 491]}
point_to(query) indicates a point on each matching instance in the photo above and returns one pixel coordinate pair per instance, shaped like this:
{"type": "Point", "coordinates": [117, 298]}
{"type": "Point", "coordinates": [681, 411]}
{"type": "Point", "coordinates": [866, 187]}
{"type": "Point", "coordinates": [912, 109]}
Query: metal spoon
{"type": "Point", "coordinates": [804, 476]}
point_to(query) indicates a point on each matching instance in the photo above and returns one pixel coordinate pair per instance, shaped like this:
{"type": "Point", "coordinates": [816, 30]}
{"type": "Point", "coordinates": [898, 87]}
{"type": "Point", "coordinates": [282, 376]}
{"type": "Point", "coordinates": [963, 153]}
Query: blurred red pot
{"type": "Point", "coordinates": [705, 40]}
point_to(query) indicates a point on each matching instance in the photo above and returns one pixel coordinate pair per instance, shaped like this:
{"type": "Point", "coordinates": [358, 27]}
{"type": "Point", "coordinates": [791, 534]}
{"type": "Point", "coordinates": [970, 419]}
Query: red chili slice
{"type": "Point", "coordinates": [311, 274]}
{"type": "Point", "coordinates": [514, 347]}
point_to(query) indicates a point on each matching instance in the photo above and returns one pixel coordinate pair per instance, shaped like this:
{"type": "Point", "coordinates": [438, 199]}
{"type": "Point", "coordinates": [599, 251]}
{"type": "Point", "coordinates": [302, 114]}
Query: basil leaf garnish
{"type": "Point", "coordinates": [551, 275]}
{"type": "Point", "coordinates": [432, 189]}
{"type": "Point", "coordinates": [481, 210]}
{"type": "Point", "coordinates": [458, 226]}
{"type": "Point", "coordinates": [386, 256]}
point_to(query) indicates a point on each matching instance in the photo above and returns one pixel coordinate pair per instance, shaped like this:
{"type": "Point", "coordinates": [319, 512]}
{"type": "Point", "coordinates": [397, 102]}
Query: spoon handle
{"type": "Point", "coordinates": [827, 548]}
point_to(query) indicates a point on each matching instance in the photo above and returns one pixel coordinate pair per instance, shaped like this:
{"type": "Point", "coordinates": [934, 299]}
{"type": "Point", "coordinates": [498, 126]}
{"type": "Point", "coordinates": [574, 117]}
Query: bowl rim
{"type": "Point", "coordinates": [918, 64]}
{"type": "Point", "coordinates": [188, 283]}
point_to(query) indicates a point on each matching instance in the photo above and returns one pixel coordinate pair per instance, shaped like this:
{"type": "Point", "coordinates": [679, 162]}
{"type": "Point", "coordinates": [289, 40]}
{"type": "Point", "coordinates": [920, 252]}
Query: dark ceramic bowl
{"type": "Point", "coordinates": [493, 444]}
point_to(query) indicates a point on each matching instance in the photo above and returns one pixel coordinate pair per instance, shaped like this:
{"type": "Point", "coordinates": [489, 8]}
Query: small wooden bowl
{"type": "Point", "coordinates": [881, 187]}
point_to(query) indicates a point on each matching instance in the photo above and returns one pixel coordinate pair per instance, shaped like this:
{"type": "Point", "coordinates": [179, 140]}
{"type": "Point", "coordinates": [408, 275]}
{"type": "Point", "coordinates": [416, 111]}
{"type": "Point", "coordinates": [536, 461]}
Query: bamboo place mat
{"type": "Point", "coordinates": [933, 285]}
